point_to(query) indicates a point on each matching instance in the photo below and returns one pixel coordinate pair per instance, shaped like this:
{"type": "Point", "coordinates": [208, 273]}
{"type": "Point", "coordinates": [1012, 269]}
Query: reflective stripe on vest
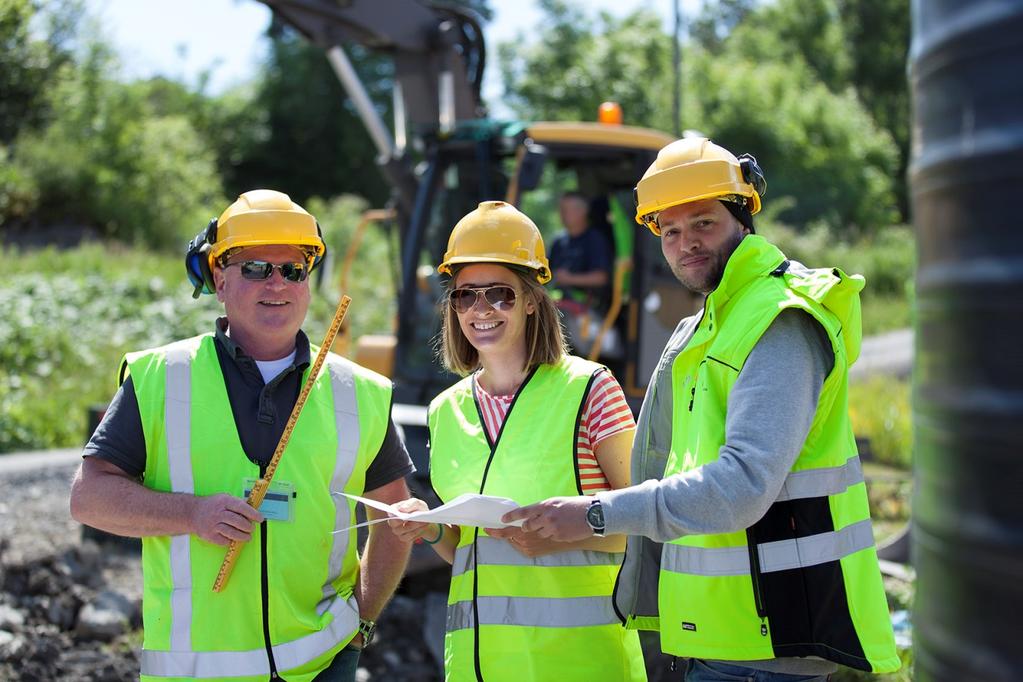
{"type": "Point", "coordinates": [500, 553]}
{"type": "Point", "coordinates": [570, 612]}
{"type": "Point", "coordinates": [821, 482]}
{"type": "Point", "coordinates": [202, 664]}
{"type": "Point", "coordinates": [782, 555]}
{"type": "Point", "coordinates": [181, 661]}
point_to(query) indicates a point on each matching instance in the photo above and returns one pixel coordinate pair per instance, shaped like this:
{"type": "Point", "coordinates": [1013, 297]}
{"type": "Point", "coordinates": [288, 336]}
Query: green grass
{"type": "Point", "coordinates": [880, 411]}
{"type": "Point", "coordinates": [886, 312]}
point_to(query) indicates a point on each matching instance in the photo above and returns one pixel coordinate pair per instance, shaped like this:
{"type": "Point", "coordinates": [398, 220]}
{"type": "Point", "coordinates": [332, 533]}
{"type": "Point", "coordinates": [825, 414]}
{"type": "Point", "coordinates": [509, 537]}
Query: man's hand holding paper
{"type": "Point", "coordinates": [484, 511]}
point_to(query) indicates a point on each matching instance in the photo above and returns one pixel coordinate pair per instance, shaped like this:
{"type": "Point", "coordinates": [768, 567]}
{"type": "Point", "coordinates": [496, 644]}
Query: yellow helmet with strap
{"type": "Point", "coordinates": [264, 216]}
{"type": "Point", "coordinates": [258, 217]}
{"type": "Point", "coordinates": [497, 232]}
{"type": "Point", "coordinates": [692, 169]}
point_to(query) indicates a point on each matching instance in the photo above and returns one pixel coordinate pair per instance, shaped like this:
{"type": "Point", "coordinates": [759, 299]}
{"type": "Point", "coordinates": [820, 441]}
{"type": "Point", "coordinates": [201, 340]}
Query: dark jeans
{"type": "Point", "coordinates": [706, 671]}
{"type": "Point", "coordinates": [342, 668]}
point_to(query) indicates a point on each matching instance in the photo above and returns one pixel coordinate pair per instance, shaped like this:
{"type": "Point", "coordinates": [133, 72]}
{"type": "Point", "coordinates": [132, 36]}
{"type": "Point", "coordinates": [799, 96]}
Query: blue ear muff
{"type": "Point", "coordinates": [197, 260]}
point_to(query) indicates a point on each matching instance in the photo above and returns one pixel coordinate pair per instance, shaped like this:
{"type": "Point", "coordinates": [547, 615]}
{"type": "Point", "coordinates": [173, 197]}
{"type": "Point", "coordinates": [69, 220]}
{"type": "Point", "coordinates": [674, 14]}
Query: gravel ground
{"type": "Point", "coordinates": [70, 609]}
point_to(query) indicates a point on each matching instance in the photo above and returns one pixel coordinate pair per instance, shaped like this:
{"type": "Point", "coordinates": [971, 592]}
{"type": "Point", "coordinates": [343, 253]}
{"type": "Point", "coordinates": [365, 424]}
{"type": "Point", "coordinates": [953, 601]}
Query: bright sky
{"type": "Point", "coordinates": [182, 38]}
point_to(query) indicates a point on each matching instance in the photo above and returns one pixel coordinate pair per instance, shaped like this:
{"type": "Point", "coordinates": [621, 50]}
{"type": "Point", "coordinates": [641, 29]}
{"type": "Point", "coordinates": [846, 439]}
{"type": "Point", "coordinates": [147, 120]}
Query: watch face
{"type": "Point", "coordinates": [595, 516]}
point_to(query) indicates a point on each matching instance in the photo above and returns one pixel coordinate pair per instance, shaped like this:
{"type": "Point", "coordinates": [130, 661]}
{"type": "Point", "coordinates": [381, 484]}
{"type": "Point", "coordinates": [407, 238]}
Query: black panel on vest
{"type": "Point", "coordinates": [792, 518]}
{"type": "Point", "coordinates": [809, 604]}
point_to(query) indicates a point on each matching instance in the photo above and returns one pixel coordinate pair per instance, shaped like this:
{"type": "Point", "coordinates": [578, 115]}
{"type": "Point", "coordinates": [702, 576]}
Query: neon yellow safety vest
{"type": "Point", "coordinates": [306, 608]}
{"type": "Point", "coordinates": [512, 617]}
{"type": "Point", "coordinates": [804, 579]}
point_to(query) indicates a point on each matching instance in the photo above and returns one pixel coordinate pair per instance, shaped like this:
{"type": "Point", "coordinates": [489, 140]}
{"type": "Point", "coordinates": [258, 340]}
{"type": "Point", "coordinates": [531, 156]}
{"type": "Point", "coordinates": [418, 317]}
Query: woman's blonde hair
{"type": "Point", "coordinates": [545, 339]}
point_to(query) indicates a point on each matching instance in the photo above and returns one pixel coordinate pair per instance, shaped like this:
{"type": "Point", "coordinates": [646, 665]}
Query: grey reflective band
{"type": "Point", "coordinates": [205, 664]}
{"type": "Point", "coordinates": [181, 661]}
{"type": "Point", "coordinates": [822, 482]}
{"type": "Point", "coordinates": [782, 555]}
{"type": "Point", "coordinates": [178, 434]}
{"type": "Point", "coordinates": [571, 612]}
{"type": "Point", "coordinates": [814, 550]}
{"type": "Point", "coordinates": [496, 552]}
{"type": "Point", "coordinates": [346, 428]}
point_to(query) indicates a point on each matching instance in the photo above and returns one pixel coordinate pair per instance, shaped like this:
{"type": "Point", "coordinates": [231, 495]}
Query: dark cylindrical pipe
{"type": "Point", "coordinates": [966, 71]}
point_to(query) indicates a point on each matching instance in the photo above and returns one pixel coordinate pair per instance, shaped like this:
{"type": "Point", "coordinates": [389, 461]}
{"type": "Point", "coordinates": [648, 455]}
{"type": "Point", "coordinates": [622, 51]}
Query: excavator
{"type": "Point", "coordinates": [444, 155]}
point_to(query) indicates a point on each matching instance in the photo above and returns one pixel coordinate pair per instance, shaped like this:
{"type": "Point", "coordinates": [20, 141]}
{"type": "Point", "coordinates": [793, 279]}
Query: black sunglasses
{"type": "Point", "coordinates": [258, 270]}
{"type": "Point", "coordinates": [499, 297]}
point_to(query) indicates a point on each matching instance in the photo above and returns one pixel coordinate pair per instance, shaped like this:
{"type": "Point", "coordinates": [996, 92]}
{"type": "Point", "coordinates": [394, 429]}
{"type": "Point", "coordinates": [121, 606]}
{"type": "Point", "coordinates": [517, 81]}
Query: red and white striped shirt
{"type": "Point", "coordinates": [605, 414]}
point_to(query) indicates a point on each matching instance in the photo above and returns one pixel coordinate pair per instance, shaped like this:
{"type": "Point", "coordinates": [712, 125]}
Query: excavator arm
{"type": "Point", "coordinates": [438, 54]}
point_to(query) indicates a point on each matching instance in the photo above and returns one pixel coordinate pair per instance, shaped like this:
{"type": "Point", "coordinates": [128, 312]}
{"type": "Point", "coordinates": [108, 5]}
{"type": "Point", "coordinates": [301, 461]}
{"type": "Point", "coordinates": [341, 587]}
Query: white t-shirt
{"type": "Point", "coordinates": [271, 368]}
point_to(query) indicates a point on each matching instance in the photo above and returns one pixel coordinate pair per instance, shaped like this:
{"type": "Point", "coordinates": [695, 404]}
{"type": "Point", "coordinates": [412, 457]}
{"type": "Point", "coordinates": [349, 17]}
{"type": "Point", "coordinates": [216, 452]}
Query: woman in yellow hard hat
{"type": "Point", "coordinates": [528, 421]}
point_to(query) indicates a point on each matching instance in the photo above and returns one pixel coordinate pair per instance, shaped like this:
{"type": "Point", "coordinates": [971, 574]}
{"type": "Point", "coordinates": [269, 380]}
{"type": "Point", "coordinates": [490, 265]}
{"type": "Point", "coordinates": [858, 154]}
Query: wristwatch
{"type": "Point", "coordinates": [595, 517]}
{"type": "Point", "coordinates": [366, 629]}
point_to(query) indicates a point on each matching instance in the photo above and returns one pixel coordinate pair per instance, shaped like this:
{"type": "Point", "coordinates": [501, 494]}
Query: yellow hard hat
{"type": "Point", "coordinates": [692, 169]}
{"type": "Point", "coordinates": [497, 232]}
{"type": "Point", "coordinates": [264, 216]}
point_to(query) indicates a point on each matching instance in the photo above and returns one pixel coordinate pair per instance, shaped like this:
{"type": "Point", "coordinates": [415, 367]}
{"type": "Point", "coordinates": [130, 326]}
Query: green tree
{"type": "Point", "coordinates": [827, 161]}
{"type": "Point", "coordinates": [824, 157]}
{"type": "Point", "coordinates": [577, 62]}
{"type": "Point", "coordinates": [809, 30]}
{"type": "Point", "coordinates": [300, 133]}
{"type": "Point", "coordinates": [109, 160]}
{"type": "Point", "coordinates": [716, 21]}
{"type": "Point", "coordinates": [857, 44]}
{"type": "Point", "coordinates": [27, 63]}
{"type": "Point", "coordinates": [878, 33]}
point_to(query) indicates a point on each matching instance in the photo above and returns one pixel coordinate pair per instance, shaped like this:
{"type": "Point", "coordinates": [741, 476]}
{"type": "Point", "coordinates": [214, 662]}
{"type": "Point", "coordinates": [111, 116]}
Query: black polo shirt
{"type": "Point", "coordinates": [260, 413]}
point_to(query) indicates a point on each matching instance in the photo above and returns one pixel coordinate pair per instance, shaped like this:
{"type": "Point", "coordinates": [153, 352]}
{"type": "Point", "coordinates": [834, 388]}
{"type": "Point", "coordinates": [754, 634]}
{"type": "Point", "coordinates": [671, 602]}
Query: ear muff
{"type": "Point", "coordinates": [752, 173]}
{"type": "Point", "coordinates": [319, 259]}
{"type": "Point", "coordinates": [197, 260]}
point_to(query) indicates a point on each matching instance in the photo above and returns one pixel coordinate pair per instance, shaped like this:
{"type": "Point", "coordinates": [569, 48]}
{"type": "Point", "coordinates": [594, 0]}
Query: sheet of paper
{"type": "Point", "coordinates": [469, 509]}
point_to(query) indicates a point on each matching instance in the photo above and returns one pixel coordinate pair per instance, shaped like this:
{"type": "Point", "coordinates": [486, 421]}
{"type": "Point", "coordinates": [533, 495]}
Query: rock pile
{"type": "Point", "coordinates": [59, 620]}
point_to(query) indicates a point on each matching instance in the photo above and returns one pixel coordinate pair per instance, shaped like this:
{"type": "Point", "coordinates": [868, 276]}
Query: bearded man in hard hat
{"type": "Point", "coordinates": [192, 426]}
{"type": "Point", "coordinates": [744, 464]}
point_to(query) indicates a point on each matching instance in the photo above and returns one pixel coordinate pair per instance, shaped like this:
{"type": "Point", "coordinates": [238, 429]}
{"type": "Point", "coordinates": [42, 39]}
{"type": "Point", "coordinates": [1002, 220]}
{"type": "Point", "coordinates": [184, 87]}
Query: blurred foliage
{"type": "Point", "coordinates": [575, 62]}
{"type": "Point", "coordinates": [69, 315]}
{"type": "Point", "coordinates": [35, 40]}
{"type": "Point", "coordinates": [299, 132]}
{"type": "Point", "coordinates": [109, 158]}
{"type": "Point", "coordinates": [879, 409]}
{"type": "Point", "coordinates": [774, 79]}
{"type": "Point", "coordinates": [886, 259]}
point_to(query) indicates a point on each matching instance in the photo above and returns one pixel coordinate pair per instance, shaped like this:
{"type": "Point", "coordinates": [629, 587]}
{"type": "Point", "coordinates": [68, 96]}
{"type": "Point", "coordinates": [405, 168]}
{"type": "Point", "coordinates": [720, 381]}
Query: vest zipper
{"type": "Point", "coordinates": [476, 532]}
{"type": "Point", "coordinates": [696, 380]}
{"type": "Point", "coordinates": [265, 591]}
{"type": "Point", "coordinates": [758, 597]}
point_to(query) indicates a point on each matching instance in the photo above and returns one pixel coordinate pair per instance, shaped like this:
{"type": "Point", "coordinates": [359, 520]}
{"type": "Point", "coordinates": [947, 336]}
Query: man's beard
{"type": "Point", "coordinates": [717, 260]}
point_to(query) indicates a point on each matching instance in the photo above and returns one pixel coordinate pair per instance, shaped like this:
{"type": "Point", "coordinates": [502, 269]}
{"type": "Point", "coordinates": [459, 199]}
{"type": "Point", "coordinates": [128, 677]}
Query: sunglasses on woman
{"type": "Point", "coordinates": [258, 270]}
{"type": "Point", "coordinates": [498, 297]}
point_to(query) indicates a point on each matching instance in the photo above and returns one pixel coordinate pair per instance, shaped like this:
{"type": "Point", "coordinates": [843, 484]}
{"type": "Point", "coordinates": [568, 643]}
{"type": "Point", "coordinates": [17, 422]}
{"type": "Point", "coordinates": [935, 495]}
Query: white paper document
{"type": "Point", "coordinates": [469, 509]}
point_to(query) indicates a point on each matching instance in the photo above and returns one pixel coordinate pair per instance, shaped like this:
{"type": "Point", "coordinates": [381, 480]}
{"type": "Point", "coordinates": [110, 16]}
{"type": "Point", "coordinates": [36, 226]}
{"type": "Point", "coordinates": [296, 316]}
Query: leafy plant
{"type": "Point", "coordinates": [880, 410]}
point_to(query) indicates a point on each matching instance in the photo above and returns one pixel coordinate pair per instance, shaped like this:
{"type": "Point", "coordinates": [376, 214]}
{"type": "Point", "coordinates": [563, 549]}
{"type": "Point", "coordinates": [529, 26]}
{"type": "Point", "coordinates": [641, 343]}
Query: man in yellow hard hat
{"type": "Point", "coordinates": [744, 464]}
{"type": "Point", "coordinates": [195, 423]}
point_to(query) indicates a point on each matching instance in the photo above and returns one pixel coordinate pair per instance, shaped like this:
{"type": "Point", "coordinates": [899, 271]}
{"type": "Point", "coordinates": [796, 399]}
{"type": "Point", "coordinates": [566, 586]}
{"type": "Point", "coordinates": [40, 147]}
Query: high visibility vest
{"type": "Point", "coordinates": [512, 617]}
{"type": "Point", "coordinates": [307, 607]}
{"type": "Point", "coordinates": [804, 579]}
